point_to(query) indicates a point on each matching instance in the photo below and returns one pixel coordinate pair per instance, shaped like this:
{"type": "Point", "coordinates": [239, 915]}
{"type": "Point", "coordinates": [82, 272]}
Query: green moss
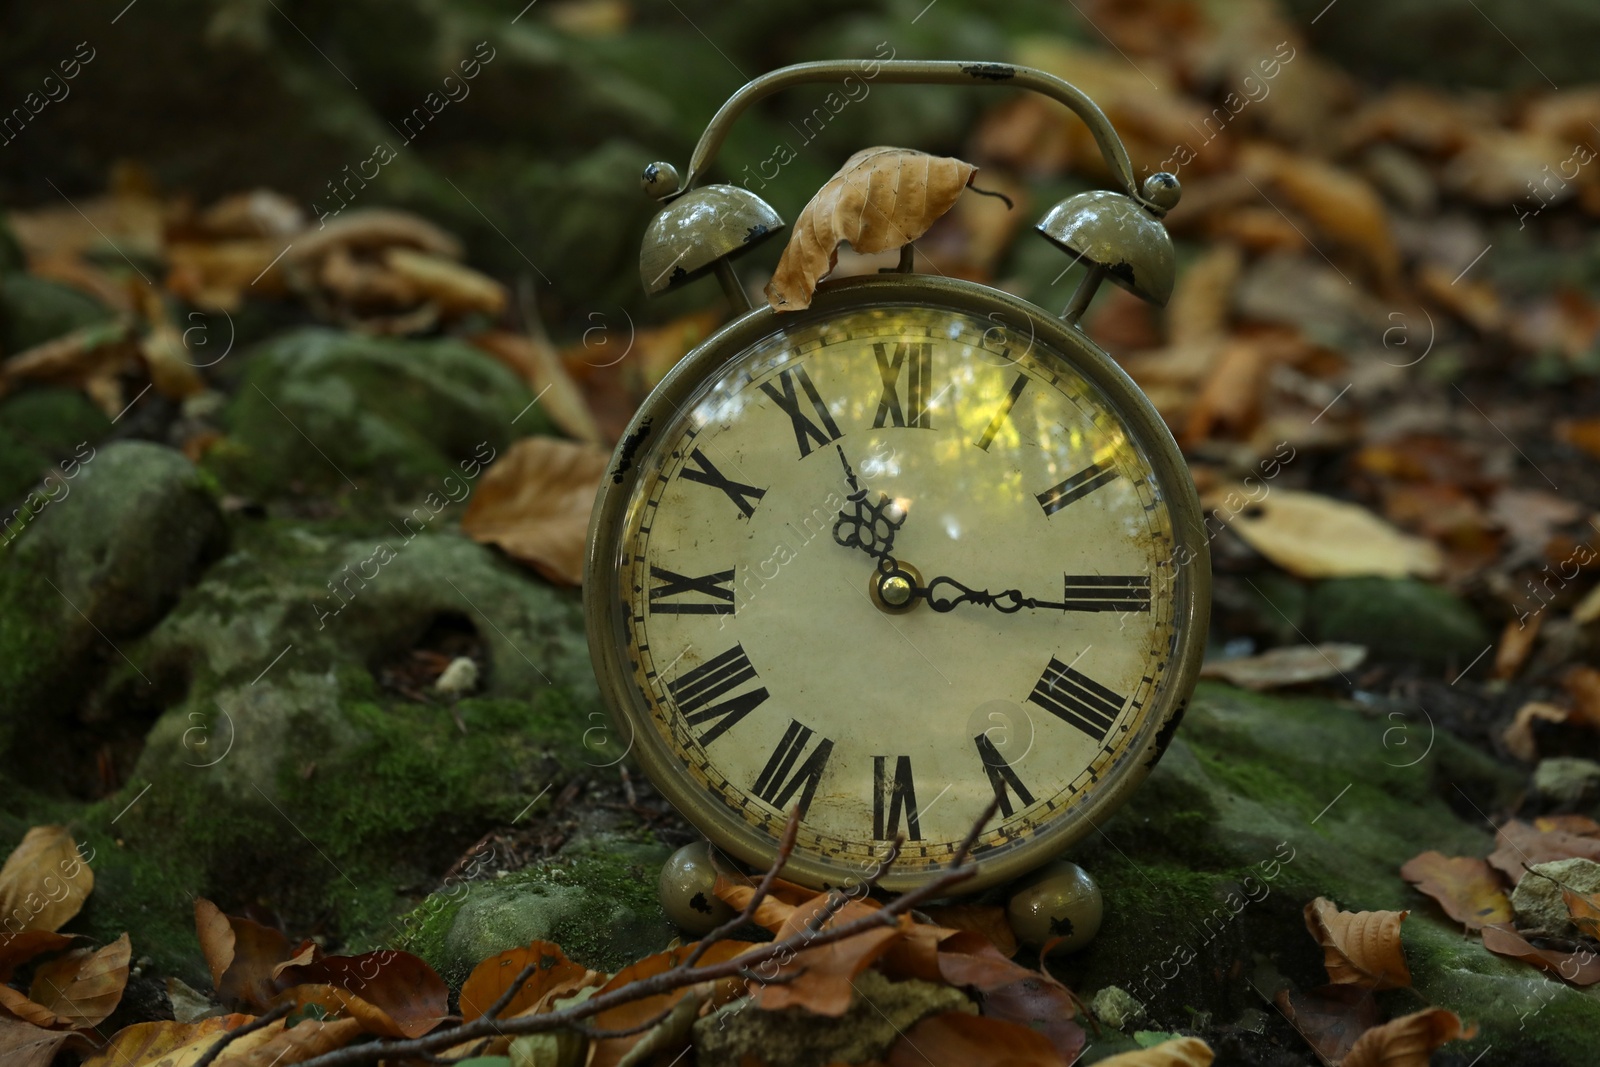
{"type": "Point", "coordinates": [34, 310]}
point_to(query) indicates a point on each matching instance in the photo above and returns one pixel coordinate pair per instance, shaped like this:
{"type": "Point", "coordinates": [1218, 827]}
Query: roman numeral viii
{"type": "Point", "coordinates": [780, 780]}
{"type": "Point", "coordinates": [1106, 592]}
{"type": "Point", "coordinates": [805, 431]}
{"type": "Point", "coordinates": [705, 473]}
{"type": "Point", "coordinates": [1076, 487]}
{"type": "Point", "coordinates": [694, 691]}
{"type": "Point", "coordinates": [895, 797]}
{"type": "Point", "coordinates": [917, 359]}
{"type": "Point", "coordinates": [717, 587]}
{"type": "Point", "coordinates": [1077, 699]}
{"type": "Point", "coordinates": [1002, 779]}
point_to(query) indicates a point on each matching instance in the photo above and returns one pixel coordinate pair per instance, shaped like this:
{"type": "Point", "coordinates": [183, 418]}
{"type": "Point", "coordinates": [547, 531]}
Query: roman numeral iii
{"type": "Point", "coordinates": [1077, 700]}
{"type": "Point", "coordinates": [894, 797]}
{"type": "Point", "coordinates": [917, 360]}
{"type": "Point", "coordinates": [1106, 592]}
{"type": "Point", "coordinates": [1002, 779]}
{"type": "Point", "coordinates": [780, 780]}
{"type": "Point", "coordinates": [706, 473]}
{"type": "Point", "coordinates": [805, 431]}
{"type": "Point", "coordinates": [693, 692]}
{"type": "Point", "coordinates": [718, 588]}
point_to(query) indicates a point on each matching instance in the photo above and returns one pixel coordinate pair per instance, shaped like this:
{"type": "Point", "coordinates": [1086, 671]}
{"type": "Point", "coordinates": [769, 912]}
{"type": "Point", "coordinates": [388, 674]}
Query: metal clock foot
{"type": "Point", "coordinates": [686, 890]}
{"type": "Point", "coordinates": [1061, 901]}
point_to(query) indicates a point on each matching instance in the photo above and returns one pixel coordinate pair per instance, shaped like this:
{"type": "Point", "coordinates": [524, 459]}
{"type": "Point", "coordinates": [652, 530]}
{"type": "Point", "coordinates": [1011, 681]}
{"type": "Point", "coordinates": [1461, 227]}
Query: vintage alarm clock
{"type": "Point", "coordinates": [919, 547]}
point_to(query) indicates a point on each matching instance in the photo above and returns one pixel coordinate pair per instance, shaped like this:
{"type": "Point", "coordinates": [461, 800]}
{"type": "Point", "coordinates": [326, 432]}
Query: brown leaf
{"type": "Point", "coordinates": [455, 288]}
{"type": "Point", "coordinates": [1519, 738]}
{"type": "Point", "coordinates": [1179, 1052]}
{"type": "Point", "coordinates": [1203, 295]}
{"type": "Point", "coordinates": [539, 365]}
{"type": "Point", "coordinates": [1516, 644]}
{"type": "Point", "coordinates": [1467, 888]}
{"type": "Point", "coordinates": [775, 908]}
{"type": "Point", "coordinates": [26, 1045]}
{"type": "Point", "coordinates": [1331, 1018]}
{"type": "Point", "coordinates": [956, 1039]}
{"type": "Point", "coordinates": [1583, 686]}
{"type": "Point", "coordinates": [988, 920]}
{"type": "Point", "coordinates": [1359, 948]}
{"type": "Point", "coordinates": [1408, 1041]}
{"type": "Point", "coordinates": [971, 961]}
{"type": "Point", "coordinates": [1042, 1004]}
{"type": "Point", "coordinates": [214, 275]}
{"type": "Point", "coordinates": [1341, 205]}
{"type": "Point", "coordinates": [1581, 968]}
{"type": "Point", "coordinates": [44, 881]}
{"type": "Point", "coordinates": [820, 978]}
{"type": "Point", "coordinates": [1230, 396]}
{"type": "Point", "coordinates": [299, 1042]}
{"type": "Point", "coordinates": [75, 358]}
{"type": "Point", "coordinates": [491, 978]}
{"type": "Point", "coordinates": [1287, 666]}
{"type": "Point", "coordinates": [882, 198]}
{"type": "Point", "coordinates": [18, 949]}
{"type": "Point", "coordinates": [607, 1052]}
{"type": "Point", "coordinates": [1517, 843]}
{"type": "Point", "coordinates": [74, 991]}
{"type": "Point", "coordinates": [371, 229]}
{"type": "Point", "coordinates": [408, 996]}
{"type": "Point", "coordinates": [242, 954]}
{"type": "Point", "coordinates": [170, 1044]}
{"type": "Point", "coordinates": [1584, 910]}
{"type": "Point", "coordinates": [1313, 536]}
{"type": "Point", "coordinates": [534, 502]}
{"type": "Point", "coordinates": [1570, 823]}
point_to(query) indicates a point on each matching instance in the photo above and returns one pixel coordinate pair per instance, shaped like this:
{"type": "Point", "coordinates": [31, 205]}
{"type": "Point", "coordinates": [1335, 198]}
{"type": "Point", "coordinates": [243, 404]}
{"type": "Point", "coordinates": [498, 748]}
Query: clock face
{"type": "Point", "coordinates": [888, 563]}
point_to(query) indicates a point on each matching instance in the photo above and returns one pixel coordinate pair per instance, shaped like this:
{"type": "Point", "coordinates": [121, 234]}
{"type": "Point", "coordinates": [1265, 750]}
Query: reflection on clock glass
{"type": "Point", "coordinates": [1015, 653]}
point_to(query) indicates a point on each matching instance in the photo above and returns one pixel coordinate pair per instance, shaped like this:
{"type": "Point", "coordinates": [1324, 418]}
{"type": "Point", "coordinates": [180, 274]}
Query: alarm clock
{"type": "Point", "coordinates": [918, 549]}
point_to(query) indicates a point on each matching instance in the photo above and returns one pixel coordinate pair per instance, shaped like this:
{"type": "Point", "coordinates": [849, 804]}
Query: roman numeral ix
{"type": "Point", "coordinates": [777, 785]}
{"type": "Point", "coordinates": [1077, 699]}
{"type": "Point", "coordinates": [895, 797]}
{"type": "Point", "coordinates": [718, 587]}
{"type": "Point", "coordinates": [917, 359]}
{"type": "Point", "coordinates": [706, 473]}
{"type": "Point", "coordinates": [1002, 779]}
{"type": "Point", "coordinates": [694, 690]}
{"type": "Point", "coordinates": [805, 431]}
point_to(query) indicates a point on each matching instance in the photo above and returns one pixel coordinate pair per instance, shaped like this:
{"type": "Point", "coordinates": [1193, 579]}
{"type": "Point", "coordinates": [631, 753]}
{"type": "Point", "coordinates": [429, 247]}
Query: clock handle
{"type": "Point", "coordinates": [919, 72]}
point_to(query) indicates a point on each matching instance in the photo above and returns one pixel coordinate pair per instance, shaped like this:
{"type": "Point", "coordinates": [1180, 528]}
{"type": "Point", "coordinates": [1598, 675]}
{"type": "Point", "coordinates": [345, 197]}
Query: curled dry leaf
{"type": "Point", "coordinates": [242, 954]}
{"type": "Point", "coordinates": [214, 275]}
{"type": "Point", "coordinates": [1287, 666]}
{"type": "Point", "coordinates": [821, 978]}
{"type": "Point", "coordinates": [881, 199]}
{"type": "Point", "coordinates": [775, 908]}
{"type": "Point", "coordinates": [1408, 1041]}
{"type": "Point", "coordinates": [44, 880]}
{"type": "Point", "coordinates": [19, 948]}
{"type": "Point", "coordinates": [455, 288]}
{"type": "Point", "coordinates": [1361, 947]}
{"type": "Point", "coordinates": [1518, 737]}
{"type": "Point", "coordinates": [1339, 204]}
{"type": "Point", "coordinates": [1517, 843]}
{"type": "Point", "coordinates": [170, 1044]}
{"type": "Point", "coordinates": [1583, 686]}
{"type": "Point", "coordinates": [989, 920]}
{"type": "Point", "coordinates": [535, 501]}
{"type": "Point", "coordinates": [1581, 968]}
{"type": "Point", "coordinates": [556, 976]}
{"type": "Point", "coordinates": [1466, 887]}
{"type": "Point", "coordinates": [74, 991]}
{"type": "Point", "coordinates": [1179, 1052]}
{"type": "Point", "coordinates": [371, 229]}
{"type": "Point", "coordinates": [956, 1039]}
{"type": "Point", "coordinates": [407, 997]}
{"type": "Point", "coordinates": [1516, 644]}
{"type": "Point", "coordinates": [1313, 536]}
{"type": "Point", "coordinates": [1584, 908]}
{"type": "Point", "coordinates": [608, 1052]}
{"type": "Point", "coordinates": [293, 1045]}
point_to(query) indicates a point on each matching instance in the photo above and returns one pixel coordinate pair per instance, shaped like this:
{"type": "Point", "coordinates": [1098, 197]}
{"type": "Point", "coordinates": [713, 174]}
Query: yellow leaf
{"type": "Point", "coordinates": [1179, 1052]}
{"type": "Point", "coordinates": [1466, 887]}
{"type": "Point", "coordinates": [535, 501]}
{"type": "Point", "coordinates": [1313, 536]}
{"type": "Point", "coordinates": [881, 199]}
{"type": "Point", "coordinates": [167, 1043]}
{"type": "Point", "coordinates": [44, 882]}
{"type": "Point", "coordinates": [1361, 947]}
{"type": "Point", "coordinates": [457, 289]}
{"type": "Point", "coordinates": [300, 1042]}
{"type": "Point", "coordinates": [1408, 1041]}
{"type": "Point", "coordinates": [1518, 737]}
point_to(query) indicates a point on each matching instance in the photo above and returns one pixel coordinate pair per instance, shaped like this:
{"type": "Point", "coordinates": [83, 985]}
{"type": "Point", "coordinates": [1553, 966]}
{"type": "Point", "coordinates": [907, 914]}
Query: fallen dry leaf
{"type": "Point", "coordinates": [820, 978]}
{"type": "Point", "coordinates": [1179, 1052]}
{"type": "Point", "coordinates": [1341, 205]}
{"type": "Point", "coordinates": [608, 1052]}
{"type": "Point", "coordinates": [44, 881]}
{"type": "Point", "coordinates": [407, 996]}
{"type": "Point", "coordinates": [1287, 666]}
{"type": "Point", "coordinates": [1230, 396]}
{"type": "Point", "coordinates": [534, 502]}
{"type": "Point", "coordinates": [19, 948]}
{"type": "Point", "coordinates": [215, 275]}
{"type": "Point", "coordinates": [26, 1045]}
{"type": "Point", "coordinates": [243, 956]}
{"type": "Point", "coordinates": [1467, 888]}
{"type": "Point", "coordinates": [781, 900]}
{"type": "Point", "coordinates": [76, 990]}
{"type": "Point", "coordinates": [1314, 536]}
{"type": "Point", "coordinates": [455, 288]}
{"type": "Point", "coordinates": [989, 920]}
{"type": "Point", "coordinates": [1517, 843]}
{"type": "Point", "coordinates": [1581, 968]}
{"type": "Point", "coordinates": [1584, 910]}
{"type": "Point", "coordinates": [956, 1039]}
{"type": "Point", "coordinates": [371, 229]}
{"type": "Point", "coordinates": [1583, 686]}
{"type": "Point", "coordinates": [556, 975]}
{"type": "Point", "coordinates": [299, 1042]}
{"type": "Point", "coordinates": [538, 364]}
{"type": "Point", "coordinates": [170, 1044]}
{"type": "Point", "coordinates": [1581, 825]}
{"type": "Point", "coordinates": [1518, 737]}
{"type": "Point", "coordinates": [1408, 1041]}
{"type": "Point", "coordinates": [75, 358]}
{"type": "Point", "coordinates": [881, 199]}
{"type": "Point", "coordinates": [1331, 1018]}
{"type": "Point", "coordinates": [1359, 948]}
{"type": "Point", "coordinates": [1202, 298]}
{"type": "Point", "coordinates": [1516, 644]}
{"type": "Point", "coordinates": [1587, 609]}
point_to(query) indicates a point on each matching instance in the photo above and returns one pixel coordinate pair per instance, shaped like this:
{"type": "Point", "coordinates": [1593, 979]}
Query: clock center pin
{"type": "Point", "coordinates": [894, 591]}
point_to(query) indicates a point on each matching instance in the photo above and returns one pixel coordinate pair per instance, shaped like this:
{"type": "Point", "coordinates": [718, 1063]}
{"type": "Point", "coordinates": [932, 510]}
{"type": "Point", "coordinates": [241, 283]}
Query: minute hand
{"type": "Point", "coordinates": [1008, 601]}
{"type": "Point", "coordinates": [1128, 594]}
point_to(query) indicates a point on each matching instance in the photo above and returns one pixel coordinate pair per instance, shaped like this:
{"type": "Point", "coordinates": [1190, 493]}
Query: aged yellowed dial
{"type": "Point", "coordinates": [888, 562]}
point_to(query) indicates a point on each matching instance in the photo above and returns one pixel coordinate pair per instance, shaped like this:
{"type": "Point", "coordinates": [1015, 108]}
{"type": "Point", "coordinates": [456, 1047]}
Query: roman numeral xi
{"type": "Point", "coordinates": [805, 431]}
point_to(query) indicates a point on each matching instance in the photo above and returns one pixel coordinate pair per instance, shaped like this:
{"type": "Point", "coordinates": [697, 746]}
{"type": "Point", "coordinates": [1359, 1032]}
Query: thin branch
{"type": "Point", "coordinates": [512, 990]}
{"type": "Point", "coordinates": [791, 831]}
{"type": "Point", "coordinates": [259, 1023]}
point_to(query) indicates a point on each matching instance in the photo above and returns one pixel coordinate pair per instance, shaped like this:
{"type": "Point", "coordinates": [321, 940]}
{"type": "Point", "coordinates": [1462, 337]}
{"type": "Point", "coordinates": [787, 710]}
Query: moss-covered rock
{"type": "Point", "coordinates": [1397, 618]}
{"type": "Point", "coordinates": [369, 419]}
{"type": "Point", "coordinates": [35, 310]}
{"type": "Point", "coordinates": [40, 430]}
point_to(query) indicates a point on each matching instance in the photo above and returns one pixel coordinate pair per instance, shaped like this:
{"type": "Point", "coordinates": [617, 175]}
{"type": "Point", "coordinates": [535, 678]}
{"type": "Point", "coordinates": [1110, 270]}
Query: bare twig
{"type": "Point", "coordinates": [511, 990]}
{"type": "Point", "coordinates": [259, 1023]}
{"type": "Point", "coordinates": [684, 974]}
{"type": "Point", "coordinates": [791, 830]}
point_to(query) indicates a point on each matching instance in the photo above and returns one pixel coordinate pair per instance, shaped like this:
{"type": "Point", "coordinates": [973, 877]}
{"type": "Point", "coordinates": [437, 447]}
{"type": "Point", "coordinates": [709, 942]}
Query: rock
{"type": "Point", "coordinates": [39, 429]}
{"type": "Point", "coordinates": [1116, 1008]}
{"type": "Point", "coordinates": [1396, 619]}
{"type": "Point", "coordinates": [793, 1037]}
{"type": "Point", "coordinates": [595, 899]}
{"type": "Point", "coordinates": [369, 418]}
{"type": "Point", "coordinates": [1567, 781]}
{"type": "Point", "coordinates": [1538, 899]}
{"type": "Point", "coordinates": [109, 552]}
{"type": "Point", "coordinates": [35, 310]}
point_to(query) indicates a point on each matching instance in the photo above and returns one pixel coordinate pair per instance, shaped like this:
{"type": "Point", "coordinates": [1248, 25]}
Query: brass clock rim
{"type": "Point", "coordinates": [602, 596]}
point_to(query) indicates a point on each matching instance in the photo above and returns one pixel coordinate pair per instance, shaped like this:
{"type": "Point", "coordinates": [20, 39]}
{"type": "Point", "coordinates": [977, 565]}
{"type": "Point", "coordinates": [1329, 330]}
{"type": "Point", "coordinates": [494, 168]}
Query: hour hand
{"type": "Point", "coordinates": [866, 525]}
{"type": "Point", "coordinates": [1079, 593]}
